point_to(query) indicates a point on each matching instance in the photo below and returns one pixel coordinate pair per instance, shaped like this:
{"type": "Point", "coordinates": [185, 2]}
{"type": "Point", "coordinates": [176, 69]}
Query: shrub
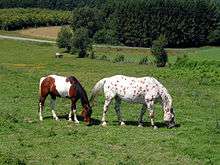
{"type": "Point", "coordinates": [119, 58]}
{"type": "Point", "coordinates": [103, 57]}
{"type": "Point", "coordinates": [159, 52]}
{"type": "Point", "coordinates": [64, 38]}
{"type": "Point", "coordinates": [80, 42]}
{"type": "Point", "coordinates": [143, 61]}
{"type": "Point", "coordinates": [92, 55]}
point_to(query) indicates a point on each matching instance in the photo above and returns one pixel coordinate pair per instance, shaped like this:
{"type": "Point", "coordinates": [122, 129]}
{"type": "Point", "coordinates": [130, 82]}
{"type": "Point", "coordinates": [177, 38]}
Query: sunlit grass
{"type": "Point", "coordinates": [23, 139]}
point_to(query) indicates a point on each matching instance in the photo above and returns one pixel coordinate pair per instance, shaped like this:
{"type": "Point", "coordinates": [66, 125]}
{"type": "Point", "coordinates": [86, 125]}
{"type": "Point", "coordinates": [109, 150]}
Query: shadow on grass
{"type": "Point", "coordinates": [148, 124]}
{"type": "Point", "coordinates": [98, 122]}
{"type": "Point", "coordinates": [80, 118]}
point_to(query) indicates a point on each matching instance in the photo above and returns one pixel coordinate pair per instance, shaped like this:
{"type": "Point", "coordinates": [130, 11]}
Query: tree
{"type": "Point", "coordinates": [159, 52]}
{"type": "Point", "coordinates": [89, 18]}
{"type": "Point", "coordinates": [106, 36]}
{"type": "Point", "coordinates": [64, 38]}
{"type": "Point", "coordinates": [80, 42]}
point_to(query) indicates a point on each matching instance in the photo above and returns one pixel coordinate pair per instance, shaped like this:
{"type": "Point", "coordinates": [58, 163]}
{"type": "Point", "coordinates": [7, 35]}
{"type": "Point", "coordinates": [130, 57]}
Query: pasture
{"type": "Point", "coordinates": [26, 140]}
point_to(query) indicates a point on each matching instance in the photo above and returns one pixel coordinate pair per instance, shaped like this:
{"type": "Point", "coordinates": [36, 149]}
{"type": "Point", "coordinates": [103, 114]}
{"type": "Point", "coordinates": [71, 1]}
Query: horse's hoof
{"type": "Point", "coordinates": [122, 123]}
{"type": "Point", "coordinates": [104, 124]}
{"type": "Point", "coordinates": [140, 126]}
{"type": "Point", "coordinates": [56, 118]}
{"type": "Point", "coordinates": [155, 127]}
{"type": "Point", "coordinates": [70, 120]}
{"type": "Point", "coordinates": [76, 122]}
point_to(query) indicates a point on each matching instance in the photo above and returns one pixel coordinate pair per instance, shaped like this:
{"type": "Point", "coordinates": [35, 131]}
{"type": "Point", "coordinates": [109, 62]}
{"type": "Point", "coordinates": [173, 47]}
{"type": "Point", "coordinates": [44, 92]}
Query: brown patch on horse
{"type": "Point", "coordinates": [72, 91]}
{"type": "Point", "coordinates": [48, 87]}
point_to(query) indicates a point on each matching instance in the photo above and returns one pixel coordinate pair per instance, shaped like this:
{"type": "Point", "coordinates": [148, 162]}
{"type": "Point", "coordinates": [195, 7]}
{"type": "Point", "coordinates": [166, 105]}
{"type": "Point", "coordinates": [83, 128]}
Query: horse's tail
{"type": "Point", "coordinates": [97, 89]}
{"type": "Point", "coordinates": [41, 80]}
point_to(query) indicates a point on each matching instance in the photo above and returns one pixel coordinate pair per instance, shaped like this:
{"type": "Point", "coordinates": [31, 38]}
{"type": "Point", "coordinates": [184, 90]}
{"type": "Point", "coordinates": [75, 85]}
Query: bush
{"type": "Point", "coordinates": [92, 55]}
{"type": "Point", "coordinates": [119, 58]}
{"type": "Point", "coordinates": [143, 61]}
{"type": "Point", "coordinates": [159, 52]}
{"type": "Point", "coordinates": [64, 38]}
{"type": "Point", "coordinates": [103, 57]}
{"type": "Point", "coordinates": [80, 42]}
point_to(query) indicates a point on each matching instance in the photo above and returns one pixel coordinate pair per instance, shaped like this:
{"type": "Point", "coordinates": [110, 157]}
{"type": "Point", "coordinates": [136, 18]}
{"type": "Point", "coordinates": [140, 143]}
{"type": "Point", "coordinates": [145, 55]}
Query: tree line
{"type": "Point", "coordinates": [17, 18]}
{"type": "Point", "coordinates": [184, 23]}
{"type": "Point", "coordinates": [49, 4]}
{"type": "Point", "coordinates": [137, 23]}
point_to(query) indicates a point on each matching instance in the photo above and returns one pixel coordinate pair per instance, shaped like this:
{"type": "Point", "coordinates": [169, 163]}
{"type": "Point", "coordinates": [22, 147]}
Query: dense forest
{"type": "Point", "coordinates": [137, 23]}
{"type": "Point", "coordinates": [49, 4]}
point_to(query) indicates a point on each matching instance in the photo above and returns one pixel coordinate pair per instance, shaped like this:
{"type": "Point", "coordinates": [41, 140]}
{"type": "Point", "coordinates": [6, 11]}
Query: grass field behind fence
{"type": "Point", "coordinates": [25, 140]}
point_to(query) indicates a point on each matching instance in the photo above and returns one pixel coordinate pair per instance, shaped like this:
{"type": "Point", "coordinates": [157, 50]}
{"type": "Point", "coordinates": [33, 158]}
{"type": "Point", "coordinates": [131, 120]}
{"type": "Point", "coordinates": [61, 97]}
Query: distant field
{"type": "Point", "coordinates": [48, 33]}
{"type": "Point", "coordinates": [41, 32]}
{"type": "Point", "coordinates": [25, 140]}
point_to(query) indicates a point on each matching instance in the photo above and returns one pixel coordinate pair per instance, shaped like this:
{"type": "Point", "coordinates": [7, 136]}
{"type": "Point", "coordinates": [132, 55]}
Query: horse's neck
{"type": "Point", "coordinates": [84, 101]}
{"type": "Point", "coordinates": [82, 95]}
{"type": "Point", "coordinates": [166, 100]}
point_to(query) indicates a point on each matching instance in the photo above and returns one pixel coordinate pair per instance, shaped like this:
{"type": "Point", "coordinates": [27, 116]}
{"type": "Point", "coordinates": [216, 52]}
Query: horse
{"type": "Point", "coordinates": [66, 87]}
{"type": "Point", "coordinates": [144, 90]}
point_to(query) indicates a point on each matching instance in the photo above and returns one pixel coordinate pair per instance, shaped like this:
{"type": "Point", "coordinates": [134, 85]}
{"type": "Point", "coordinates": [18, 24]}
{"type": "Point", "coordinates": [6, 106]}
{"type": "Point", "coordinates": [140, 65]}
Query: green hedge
{"type": "Point", "coordinates": [18, 18]}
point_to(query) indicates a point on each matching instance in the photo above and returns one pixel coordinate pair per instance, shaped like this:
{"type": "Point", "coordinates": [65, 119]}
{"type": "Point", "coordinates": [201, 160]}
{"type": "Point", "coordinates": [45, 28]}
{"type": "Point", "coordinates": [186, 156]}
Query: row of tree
{"type": "Point", "coordinates": [49, 4]}
{"type": "Point", "coordinates": [137, 23]}
{"type": "Point", "coordinates": [13, 19]}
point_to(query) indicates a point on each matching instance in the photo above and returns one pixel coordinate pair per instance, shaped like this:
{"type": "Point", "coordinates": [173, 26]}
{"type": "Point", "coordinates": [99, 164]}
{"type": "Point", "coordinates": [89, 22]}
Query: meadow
{"type": "Point", "coordinates": [194, 86]}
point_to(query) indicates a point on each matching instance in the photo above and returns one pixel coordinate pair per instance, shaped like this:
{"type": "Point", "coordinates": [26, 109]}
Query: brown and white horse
{"type": "Point", "coordinates": [66, 87]}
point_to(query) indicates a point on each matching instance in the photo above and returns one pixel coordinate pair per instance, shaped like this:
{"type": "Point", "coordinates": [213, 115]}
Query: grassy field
{"type": "Point", "coordinates": [25, 140]}
{"type": "Point", "coordinates": [42, 32]}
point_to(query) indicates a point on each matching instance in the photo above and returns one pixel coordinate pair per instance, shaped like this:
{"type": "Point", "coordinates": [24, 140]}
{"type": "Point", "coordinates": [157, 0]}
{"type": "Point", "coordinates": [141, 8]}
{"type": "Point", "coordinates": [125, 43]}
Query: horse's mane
{"type": "Point", "coordinates": [82, 93]}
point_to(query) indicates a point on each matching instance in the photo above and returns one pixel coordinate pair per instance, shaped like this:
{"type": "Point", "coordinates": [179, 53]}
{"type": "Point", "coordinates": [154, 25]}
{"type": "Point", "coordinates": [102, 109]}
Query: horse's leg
{"type": "Point", "coordinates": [41, 106]}
{"type": "Point", "coordinates": [151, 113]}
{"type": "Point", "coordinates": [140, 120]}
{"type": "Point", "coordinates": [53, 105]}
{"type": "Point", "coordinates": [105, 109]}
{"type": "Point", "coordinates": [118, 111]}
{"type": "Point", "coordinates": [73, 109]}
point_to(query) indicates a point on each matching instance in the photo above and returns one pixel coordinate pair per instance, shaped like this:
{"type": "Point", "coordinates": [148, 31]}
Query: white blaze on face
{"type": "Point", "coordinates": [61, 85]}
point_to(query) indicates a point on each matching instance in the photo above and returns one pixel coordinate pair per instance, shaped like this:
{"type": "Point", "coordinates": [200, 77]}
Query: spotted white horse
{"type": "Point", "coordinates": [145, 90]}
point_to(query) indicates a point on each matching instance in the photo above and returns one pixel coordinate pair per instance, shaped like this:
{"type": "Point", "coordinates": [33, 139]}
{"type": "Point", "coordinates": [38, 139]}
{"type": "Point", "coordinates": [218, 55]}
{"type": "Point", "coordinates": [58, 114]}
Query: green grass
{"type": "Point", "coordinates": [25, 140]}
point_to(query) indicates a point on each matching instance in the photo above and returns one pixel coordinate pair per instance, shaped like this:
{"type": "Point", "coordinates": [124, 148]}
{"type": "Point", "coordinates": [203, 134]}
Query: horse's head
{"type": "Point", "coordinates": [86, 113]}
{"type": "Point", "coordinates": [169, 118]}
